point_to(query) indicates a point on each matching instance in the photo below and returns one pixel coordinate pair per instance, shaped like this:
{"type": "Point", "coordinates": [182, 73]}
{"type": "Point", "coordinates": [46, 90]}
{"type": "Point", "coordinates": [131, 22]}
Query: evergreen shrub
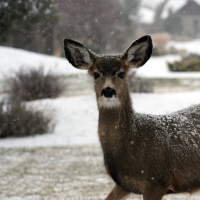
{"type": "Point", "coordinates": [186, 64]}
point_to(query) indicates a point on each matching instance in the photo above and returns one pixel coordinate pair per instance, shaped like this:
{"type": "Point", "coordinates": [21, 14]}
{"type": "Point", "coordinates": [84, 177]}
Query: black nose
{"type": "Point", "coordinates": [108, 92]}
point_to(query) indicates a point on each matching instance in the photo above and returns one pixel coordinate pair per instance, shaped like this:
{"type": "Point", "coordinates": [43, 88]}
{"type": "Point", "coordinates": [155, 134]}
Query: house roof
{"type": "Point", "coordinates": [190, 8]}
{"type": "Point", "coordinates": [174, 5]}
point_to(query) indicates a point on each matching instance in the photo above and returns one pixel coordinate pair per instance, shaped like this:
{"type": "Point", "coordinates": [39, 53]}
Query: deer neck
{"type": "Point", "coordinates": [116, 122]}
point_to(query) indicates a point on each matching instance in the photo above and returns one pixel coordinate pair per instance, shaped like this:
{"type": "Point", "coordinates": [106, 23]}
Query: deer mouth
{"type": "Point", "coordinates": [108, 98]}
{"type": "Point", "coordinates": [109, 102]}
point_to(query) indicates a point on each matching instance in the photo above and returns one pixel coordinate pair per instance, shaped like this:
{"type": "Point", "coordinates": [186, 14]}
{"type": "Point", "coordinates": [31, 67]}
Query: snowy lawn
{"type": "Point", "coordinates": [189, 46]}
{"type": "Point", "coordinates": [67, 164]}
{"type": "Point", "coordinates": [58, 173]}
{"type": "Point", "coordinates": [13, 59]}
{"type": "Point", "coordinates": [76, 117]}
{"type": "Point", "coordinates": [57, 166]}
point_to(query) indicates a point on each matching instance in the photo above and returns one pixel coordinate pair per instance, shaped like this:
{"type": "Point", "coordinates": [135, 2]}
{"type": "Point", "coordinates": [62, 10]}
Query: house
{"type": "Point", "coordinates": [190, 16]}
{"type": "Point", "coordinates": [180, 18]}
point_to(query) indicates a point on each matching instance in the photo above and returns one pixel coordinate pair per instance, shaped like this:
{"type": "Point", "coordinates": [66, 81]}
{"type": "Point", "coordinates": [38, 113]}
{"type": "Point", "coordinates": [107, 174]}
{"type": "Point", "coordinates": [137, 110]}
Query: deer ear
{"type": "Point", "coordinates": [139, 52]}
{"type": "Point", "coordinates": [79, 56]}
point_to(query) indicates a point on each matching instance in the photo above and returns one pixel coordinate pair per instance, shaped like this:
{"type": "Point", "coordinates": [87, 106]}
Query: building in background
{"type": "Point", "coordinates": [181, 19]}
{"type": "Point", "coordinates": [190, 19]}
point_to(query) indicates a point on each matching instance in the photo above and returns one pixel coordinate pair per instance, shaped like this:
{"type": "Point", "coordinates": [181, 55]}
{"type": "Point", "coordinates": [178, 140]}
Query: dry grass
{"type": "Point", "coordinates": [57, 173]}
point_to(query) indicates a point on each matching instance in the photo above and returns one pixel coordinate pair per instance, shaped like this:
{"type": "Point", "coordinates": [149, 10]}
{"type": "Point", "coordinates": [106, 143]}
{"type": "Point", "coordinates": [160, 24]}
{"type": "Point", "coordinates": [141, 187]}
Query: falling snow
{"type": "Point", "coordinates": [44, 169]}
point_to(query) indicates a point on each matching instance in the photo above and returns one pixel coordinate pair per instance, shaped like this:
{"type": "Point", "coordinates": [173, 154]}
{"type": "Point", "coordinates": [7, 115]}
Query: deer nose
{"type": "Point", "coordinates": [108, 92]}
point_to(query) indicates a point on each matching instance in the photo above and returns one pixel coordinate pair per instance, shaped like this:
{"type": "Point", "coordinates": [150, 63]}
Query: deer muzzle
{"type": "Point", "coordinates": [108, 92]}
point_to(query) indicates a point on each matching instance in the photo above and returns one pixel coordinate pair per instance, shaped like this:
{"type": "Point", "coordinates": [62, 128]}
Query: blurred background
{"type": "Point", "coordinates": [49, 148]}
{"type": "Point", "coordinates": [103, 26]}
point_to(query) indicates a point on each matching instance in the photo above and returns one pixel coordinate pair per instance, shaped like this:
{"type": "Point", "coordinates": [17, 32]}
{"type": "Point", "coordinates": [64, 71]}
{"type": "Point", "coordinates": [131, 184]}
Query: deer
{"type": "Point", "coordinates": [151, 155]}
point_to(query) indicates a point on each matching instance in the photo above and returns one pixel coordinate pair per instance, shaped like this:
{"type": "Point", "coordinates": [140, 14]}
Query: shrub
{"type": "Point", "coordinates": [34, 84]}
{"type": "Point", "coordinates": [188, 63]}
{"type": "Point", "coordinates": [139, 85]}
{"type": "Point", "coordinates": [17, 120]}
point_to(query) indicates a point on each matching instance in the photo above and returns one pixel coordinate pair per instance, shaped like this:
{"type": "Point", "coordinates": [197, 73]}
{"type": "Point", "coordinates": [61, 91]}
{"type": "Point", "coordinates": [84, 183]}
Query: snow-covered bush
{"type": "Point", "coordinates": [187, 63]}
{"type": "Point", "coordinates": [139, 85]}
{"type": "Point", "coordinates": [17, 120]}
{"type": "Point", "coordinates": [30, 84]}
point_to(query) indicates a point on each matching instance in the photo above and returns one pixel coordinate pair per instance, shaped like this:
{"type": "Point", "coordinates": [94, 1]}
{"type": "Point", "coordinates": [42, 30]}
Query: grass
{"type": "Point", "coordinates": [57, 173]}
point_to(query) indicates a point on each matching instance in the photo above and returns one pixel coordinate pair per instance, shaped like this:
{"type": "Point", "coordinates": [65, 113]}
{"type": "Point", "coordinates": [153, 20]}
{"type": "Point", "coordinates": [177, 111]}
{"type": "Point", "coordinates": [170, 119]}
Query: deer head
{"type": "Point", "coordinates": [109, 71]}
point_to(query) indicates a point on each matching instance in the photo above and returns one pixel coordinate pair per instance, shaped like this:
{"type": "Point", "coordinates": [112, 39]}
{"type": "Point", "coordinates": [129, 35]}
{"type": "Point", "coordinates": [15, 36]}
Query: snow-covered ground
{"type": "Point", "coordinates": [40, 173]}
{"type": "Point", "coordinates": [13, 59]}
{"type": "Point", "coordinates": [59, 173]}
{"type": "Point", "coordinates": [157, 67]}
{"type": "Point", "coordinates": [77, 117]}
{"type": "Point", "coordinates": [189, 46]}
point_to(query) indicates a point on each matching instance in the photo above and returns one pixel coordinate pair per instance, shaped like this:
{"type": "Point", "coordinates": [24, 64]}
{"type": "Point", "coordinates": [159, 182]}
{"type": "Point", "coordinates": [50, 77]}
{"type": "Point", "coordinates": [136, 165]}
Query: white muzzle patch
{"type": "Point", "coordinates": [108, 102]}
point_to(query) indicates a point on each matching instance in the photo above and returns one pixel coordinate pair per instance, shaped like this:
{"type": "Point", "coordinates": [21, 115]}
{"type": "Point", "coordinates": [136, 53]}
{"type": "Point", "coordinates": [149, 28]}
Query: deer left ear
{"type": "Point", "coordinates": [78, 55]}
{"type": "Point", "coordinates": [139, 52]}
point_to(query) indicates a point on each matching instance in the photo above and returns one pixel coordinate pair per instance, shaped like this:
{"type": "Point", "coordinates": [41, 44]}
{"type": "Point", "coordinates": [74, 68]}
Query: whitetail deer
{"type": "Point", "coordinates": [144, 154]}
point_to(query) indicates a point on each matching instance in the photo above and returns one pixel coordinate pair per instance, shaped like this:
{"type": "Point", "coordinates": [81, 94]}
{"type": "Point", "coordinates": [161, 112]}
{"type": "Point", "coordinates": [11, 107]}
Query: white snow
{"type": "Point", "coordinates": [146, 15]}
{"type": "Point", "coordinates": [77, 117]}
{"type": "Point", "coordinates": [12, 59]}
{"type": "Point", "coordinates": [174, 5]}
{"type": "Point", "coordinates": [189, 46]}
{"type": "Point", "coordinates": [157, 67]}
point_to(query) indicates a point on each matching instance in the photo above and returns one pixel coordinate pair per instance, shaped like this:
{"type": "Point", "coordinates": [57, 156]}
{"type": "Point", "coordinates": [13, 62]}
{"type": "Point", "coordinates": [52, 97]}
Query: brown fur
{"type": "Point", "coordinates": [144, 154]}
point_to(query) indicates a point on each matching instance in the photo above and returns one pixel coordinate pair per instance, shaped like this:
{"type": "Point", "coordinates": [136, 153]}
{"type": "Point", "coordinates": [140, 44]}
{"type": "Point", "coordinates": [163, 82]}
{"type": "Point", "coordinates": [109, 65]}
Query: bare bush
{"type": "Point", "coordinates": [34, 84]}
{"type": "Point", "coordinates": [139, 85]}
{"type": "Point", "coordinates": [18, 121]}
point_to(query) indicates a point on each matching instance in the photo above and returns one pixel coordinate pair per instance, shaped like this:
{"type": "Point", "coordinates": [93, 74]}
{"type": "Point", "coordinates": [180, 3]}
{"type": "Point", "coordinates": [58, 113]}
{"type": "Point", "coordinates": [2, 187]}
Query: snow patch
{"type": "Point", "coordinates": [77, 117]}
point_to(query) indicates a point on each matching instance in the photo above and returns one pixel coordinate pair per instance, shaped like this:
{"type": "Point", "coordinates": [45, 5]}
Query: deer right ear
{"type": "Point", "coordinates": [79, 56]}
{"type": "Point", "coordinates": [139, 52]}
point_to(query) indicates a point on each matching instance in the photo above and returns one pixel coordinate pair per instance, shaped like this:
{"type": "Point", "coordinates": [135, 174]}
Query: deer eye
{"type": "Point", "coordinates": [121, 75]}
{"type": "Point", "coordinates": [96, 75]}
